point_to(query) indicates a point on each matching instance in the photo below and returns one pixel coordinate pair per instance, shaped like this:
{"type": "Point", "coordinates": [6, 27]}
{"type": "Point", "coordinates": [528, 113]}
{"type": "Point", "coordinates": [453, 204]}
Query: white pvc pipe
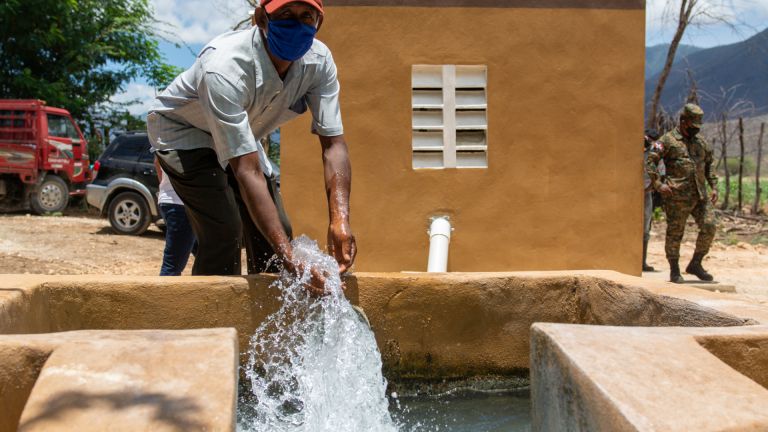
{"type": "Point", "coordinates": [439, 240]}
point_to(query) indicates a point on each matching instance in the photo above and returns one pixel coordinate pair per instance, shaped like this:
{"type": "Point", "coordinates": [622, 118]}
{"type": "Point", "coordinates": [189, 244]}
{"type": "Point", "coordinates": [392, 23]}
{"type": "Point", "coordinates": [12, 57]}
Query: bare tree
{"type": "Point", "coordinates": [690, 12]}
{"type": "Point", "coordinates": [726, 101]}
{"type": "Point", "coordinates": [693, 92]}
{"type": "Point", "coordinates": [719, 158]}
{"type": "Point", "coordinates": [726, 105]}
{"type": "Point", "coordinates": [684, 18]}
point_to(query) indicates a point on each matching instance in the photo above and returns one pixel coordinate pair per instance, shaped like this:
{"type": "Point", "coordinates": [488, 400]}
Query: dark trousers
{"type": "Point", "coordinates": [677, 209]}
{"type": "Point", "coordinates": [217, 213]}
{"type": "Point", "coordinates": [179, 239]}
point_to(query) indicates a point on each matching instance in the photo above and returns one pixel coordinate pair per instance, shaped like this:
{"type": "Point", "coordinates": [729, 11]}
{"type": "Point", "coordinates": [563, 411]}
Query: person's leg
{"type": "Point", "coordinates": [647, 216]}
{"type": "Point", "coordinates": [705, 219]}
{"type": "Point", "coordinates": [258, 250]}
{"type": "Point", "coordinates": [676, 211]}
{"type": "Point", "coordinates": [704, 215]}
{"type": "Point", "coordinates": [210, 204]}
{"type": "Point", "coordinates": [179, 239]}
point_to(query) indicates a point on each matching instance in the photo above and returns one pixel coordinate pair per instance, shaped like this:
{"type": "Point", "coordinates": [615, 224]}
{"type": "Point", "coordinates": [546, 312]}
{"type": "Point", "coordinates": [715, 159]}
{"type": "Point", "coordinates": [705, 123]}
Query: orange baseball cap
{"type": "Point", "coordinates": [273, 5]}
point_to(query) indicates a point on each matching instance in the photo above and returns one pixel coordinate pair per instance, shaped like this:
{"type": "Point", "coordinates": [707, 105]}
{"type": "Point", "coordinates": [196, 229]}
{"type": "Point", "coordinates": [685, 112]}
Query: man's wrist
{"type": "Point", "coordinates": [339, 216]}
{"type": "Point", "coordinates": [284, 252]}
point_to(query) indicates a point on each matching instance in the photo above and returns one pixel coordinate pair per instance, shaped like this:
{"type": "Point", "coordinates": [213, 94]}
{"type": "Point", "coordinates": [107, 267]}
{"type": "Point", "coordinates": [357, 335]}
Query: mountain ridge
{"type": "Point", "coordinates": [724, 74]}
{"type": "Point", "coordinates": [656, 55]}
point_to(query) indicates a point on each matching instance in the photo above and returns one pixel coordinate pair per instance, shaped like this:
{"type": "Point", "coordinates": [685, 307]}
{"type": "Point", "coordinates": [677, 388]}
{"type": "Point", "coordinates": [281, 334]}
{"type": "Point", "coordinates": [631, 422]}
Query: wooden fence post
{"type": "Point", "coordinates": [758, 189]}
{"type": "Point", "coordinates": [741, 164]}
{"type": "Point", "coordinates": [724, 136]}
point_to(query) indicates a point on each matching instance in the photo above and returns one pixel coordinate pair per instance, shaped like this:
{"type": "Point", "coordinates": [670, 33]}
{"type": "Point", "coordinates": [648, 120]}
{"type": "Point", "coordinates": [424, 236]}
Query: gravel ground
{"type": "Point", "coordinates": [740, 260]}
{"type": "Point", "coordinates": [82, 243]}
{"type": "Point", "coordinates": [75, 245]}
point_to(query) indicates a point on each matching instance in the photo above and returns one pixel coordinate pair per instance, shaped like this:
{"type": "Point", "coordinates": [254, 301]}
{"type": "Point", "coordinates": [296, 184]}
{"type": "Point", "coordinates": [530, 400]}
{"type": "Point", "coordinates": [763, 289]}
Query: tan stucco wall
{"type": "Point", "coordinates": [458, 324]}
{"type": "Point", "coordinates": [565, 107]}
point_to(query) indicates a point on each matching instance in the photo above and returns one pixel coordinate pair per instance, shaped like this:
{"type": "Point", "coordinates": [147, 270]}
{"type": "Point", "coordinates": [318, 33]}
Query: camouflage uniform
{"type": "Point", "coordinates": [689, 169]}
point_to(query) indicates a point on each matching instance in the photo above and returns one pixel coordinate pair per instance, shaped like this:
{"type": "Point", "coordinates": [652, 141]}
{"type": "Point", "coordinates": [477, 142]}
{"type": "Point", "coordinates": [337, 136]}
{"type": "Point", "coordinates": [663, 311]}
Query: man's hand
{"type": "Point", "coordinates": [665, 190]}
{"type": "Point", "coordinates": [316, 285]}
{"type": "Point", "coordinates": [338, 182]}
{"type": "Point", "coordinates": [341, 245]}
{"type": "Point", "coordinates": [714, 196]}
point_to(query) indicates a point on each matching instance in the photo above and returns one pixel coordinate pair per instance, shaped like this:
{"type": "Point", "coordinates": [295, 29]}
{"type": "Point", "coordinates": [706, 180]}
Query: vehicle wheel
{"type": "Point", "coordinates": [51, 196]}
{"type": "Point", "coordinates": [128, 213]}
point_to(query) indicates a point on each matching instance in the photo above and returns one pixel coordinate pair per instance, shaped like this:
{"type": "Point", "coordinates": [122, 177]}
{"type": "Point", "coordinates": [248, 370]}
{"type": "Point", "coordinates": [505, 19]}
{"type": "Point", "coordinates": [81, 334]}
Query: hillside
{"type": "Point", "coordinates": [656, 55]}
{"type": "Point", "coordinates": [741, 69]}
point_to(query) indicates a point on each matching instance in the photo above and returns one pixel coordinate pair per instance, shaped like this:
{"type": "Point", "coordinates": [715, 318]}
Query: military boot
{"type": "Point", "coordinates": [646, 267]}
{"type": "Point", "coordinates": [696, 269]}
{"type": "Point", "coordinates": [674, 272]}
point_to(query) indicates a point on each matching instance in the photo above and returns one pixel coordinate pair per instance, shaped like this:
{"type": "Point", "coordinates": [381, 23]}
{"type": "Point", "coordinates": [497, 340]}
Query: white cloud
{"type": "Point", "coordinates": [192, 22]}
{"type": "Point", "coordinates": [198, 21]}
{"type": "Point", "coordinates": [142, 93]}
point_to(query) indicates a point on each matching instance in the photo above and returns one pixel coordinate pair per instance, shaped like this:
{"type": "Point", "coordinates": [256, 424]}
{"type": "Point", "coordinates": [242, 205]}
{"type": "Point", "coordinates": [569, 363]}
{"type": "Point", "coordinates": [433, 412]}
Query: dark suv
{"type": "Point", "coordinates": [125, 184]}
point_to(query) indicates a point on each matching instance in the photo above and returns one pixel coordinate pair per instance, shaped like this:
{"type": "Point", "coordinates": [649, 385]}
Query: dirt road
{"type": "Point", "coordinates": [85, 244]}
{"type": "Point", "coordinates": [75, 245]}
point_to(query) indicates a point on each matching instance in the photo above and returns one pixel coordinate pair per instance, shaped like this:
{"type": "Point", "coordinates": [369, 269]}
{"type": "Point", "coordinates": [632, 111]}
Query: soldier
{"type": "Point", "coordinates": [688, 161]}
{"type": "Point", "coordinates": [651, 135]}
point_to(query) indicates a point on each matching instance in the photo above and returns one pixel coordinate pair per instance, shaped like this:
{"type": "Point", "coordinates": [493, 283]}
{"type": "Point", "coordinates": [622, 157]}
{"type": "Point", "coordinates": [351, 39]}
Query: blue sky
{"type": "Point", "coordinates": [192, 23]}
{"type": "Point", "coordinates": [189, 23]}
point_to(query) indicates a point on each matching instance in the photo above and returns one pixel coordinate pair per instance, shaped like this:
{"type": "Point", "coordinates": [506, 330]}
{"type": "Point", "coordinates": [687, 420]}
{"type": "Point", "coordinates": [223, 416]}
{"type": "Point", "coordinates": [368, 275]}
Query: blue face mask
{"type": "Point", "coordinates": [290, 39]}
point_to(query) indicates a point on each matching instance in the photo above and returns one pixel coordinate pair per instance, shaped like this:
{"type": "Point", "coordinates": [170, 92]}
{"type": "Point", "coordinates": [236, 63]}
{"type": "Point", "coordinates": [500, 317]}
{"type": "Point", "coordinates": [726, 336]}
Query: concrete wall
{"type": "Point", "coordinates": [21, 365]}
{"type": "Point", "coordinates": [444, 327]}
{"type": "Point", "coordinates": [565, 107]}
{"type": "Point", "coordinates": [586, 378]}
{"type": "Point", "coordinates": [119, 381]}
{"type": "Point", "coordinates": [426, 326]}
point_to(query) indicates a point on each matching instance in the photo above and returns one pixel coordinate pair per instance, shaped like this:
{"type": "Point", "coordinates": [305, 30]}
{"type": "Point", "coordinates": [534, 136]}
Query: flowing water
{"type": "Point", "coordinates": [464, 411]}
{"type": "Point", "coordinates": [314, 367]}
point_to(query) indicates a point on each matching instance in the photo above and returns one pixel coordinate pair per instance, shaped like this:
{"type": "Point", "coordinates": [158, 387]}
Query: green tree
{"type": "Point", "coordinates": [76, 54]}
{"type": "Point", "coordinates": [105, 123]}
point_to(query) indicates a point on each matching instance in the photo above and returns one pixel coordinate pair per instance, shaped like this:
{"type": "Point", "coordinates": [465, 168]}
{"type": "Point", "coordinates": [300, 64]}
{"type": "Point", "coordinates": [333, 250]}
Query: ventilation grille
{"type": "Point", "coordinates": [450, 119]}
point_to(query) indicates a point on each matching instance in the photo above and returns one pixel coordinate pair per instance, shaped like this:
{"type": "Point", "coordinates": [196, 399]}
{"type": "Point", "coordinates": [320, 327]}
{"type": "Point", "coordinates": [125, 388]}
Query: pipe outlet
{"type": "Point", "coordinates": [439, 241]}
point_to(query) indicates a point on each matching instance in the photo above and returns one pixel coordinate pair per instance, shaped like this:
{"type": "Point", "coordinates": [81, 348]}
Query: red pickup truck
{"type": "Point", "coordinates": [43, 157]}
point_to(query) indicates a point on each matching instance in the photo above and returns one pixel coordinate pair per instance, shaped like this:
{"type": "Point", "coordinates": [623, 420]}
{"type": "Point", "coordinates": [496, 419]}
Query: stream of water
{"type": "Point", "coordinates": [314, 366]}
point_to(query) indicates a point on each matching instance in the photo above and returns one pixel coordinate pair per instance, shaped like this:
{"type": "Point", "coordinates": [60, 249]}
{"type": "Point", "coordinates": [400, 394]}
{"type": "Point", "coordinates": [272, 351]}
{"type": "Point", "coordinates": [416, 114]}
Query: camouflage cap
{"type": "Point", "coordinates": [694, 113]}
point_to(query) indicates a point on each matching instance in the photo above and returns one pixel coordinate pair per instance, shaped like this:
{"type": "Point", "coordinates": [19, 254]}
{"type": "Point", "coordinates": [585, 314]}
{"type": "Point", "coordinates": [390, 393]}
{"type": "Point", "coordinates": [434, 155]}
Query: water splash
{"type": "Point", "coordinates": [313, 365]}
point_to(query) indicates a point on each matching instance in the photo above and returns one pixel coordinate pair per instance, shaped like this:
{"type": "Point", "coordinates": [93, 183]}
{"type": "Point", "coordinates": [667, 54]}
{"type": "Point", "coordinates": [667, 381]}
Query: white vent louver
{"type": "Point", "coordinates": [450, 121]}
